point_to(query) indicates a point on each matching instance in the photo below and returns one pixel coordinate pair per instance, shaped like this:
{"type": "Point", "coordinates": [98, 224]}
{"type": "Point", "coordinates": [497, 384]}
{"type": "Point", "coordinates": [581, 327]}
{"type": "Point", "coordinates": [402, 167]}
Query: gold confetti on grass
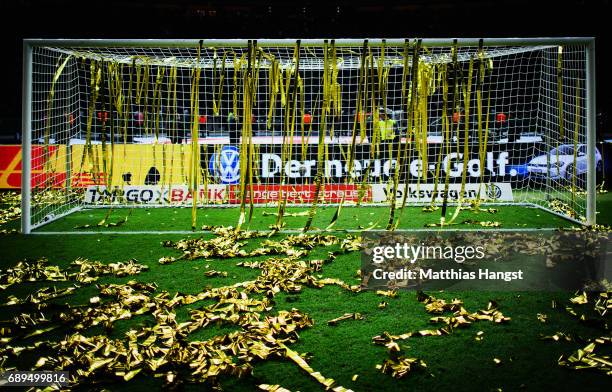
{"type": "Point", "coordinates": [603, 305]}
{"type": "Point", "coordinates": [345, 316]}
{"type": "Point", "coordinates": [211, 273]}
{"type": "Point", "coordinates": [10, 198]}
{"type": "Point", "coordinates": [474, 206]}
{"type": "Point", "coordinates": [25, 271]}
{"type": "Point", "coordinates": [400, 367]}
{"type": "Point", "coordinates": [430, 208]}
{"type": "Point", "coordinates": [497, 361]}
{"type": "Point", "coordinates": [164, 344]}
{"type": "Point", "coordinates": [40, 296]}
{"type": "Point", "coordinates": [387, 293]}
{"type": "Point", "coordinates": [229, 243]}
{"type": "Point", "coordinates": [167, 260]}
{"type": "Point", "coordinates": [86, 271]}
{"type": "Point", "coordinates": [272, 388]}
{"type": "Point", "coordinates": [479, 336]}
{"type": "Point", "coordinates": [163, 349]}
{"type": "Point", "coordinates": [327, 383]}
{"type": "Point", "coordinates": [542, 317]}
{"type": "Point", "coordinates": [460, 318]}
{"type": "Point", "coordinates": [560, 207]}
{"type": "Point", "coordinates": [10, 202]}
{"type": "Point", "coordinates": [587, 357]}
{"type": "Point", "coordinates": [482, 223]}
{"type": "Point", "coordinates": [439, 306]}
{"type": "Point", "coordinates": [10, 207]}
{"type": "Point", "coordinates": [433, 332]}
{"type": "Point", "coordinates": [9, 214]}
{"type": "Point", "coordinates": [286, 214]}
{"type": "Point", "coordinates": [580, 299]}
{"type": "Point", "coordinates": [351, 243]}
{"type": "Point", "coordinates": [559, 336]}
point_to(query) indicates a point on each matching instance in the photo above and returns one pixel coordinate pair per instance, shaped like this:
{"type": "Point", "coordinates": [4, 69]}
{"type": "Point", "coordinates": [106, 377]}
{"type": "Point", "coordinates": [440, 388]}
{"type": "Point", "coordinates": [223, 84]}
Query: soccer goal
{"type": "Point", "coordinates": [316, 123]}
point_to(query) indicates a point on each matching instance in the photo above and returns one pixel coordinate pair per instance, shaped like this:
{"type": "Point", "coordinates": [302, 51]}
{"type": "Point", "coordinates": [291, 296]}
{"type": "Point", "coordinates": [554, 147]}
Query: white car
{"type": "Point", "coordinates": [562, 162]}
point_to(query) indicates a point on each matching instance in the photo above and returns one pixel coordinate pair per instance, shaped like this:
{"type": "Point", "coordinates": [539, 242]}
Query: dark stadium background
{"type": "Point", "coordinates": [285, 19]}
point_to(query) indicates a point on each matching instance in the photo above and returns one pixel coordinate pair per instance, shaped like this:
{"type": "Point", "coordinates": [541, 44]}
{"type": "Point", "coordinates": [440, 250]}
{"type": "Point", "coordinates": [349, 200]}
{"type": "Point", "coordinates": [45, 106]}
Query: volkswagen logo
{"type": "Point", "coordinates": [225, 165]}
{"type": "Point", "coordinates": [493, 191]}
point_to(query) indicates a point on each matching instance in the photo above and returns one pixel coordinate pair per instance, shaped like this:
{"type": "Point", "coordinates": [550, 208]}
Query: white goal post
{"type": "Point", "coordinates": [312, 122]}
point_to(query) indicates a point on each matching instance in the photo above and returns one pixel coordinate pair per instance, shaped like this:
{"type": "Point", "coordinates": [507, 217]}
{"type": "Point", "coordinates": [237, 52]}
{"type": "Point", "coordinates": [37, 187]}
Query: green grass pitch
{"type": "Point", "coordinates": [456, 362]}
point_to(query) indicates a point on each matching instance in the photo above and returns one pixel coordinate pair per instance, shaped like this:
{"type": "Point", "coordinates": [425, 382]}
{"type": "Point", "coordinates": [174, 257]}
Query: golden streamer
{"type": "Point", "coordinates": [50, 97]}
{"type": "Point", "coordinates": [359, 111]}
{"type": "Point", "coordinates": [576, 135]}
{"type": "Point", "coordinates": [442, 69]}
{"type": "Point", "coordinates": [195, 136]}
{"type": "Point", "coordinates": [455, 69]}
{"type": "Point", "coordinates": [329, 54]}
{"type": "Point", "coordinates": [258, 62]}
{"type": "Point", "coordinates": [304, 138]}
{"type": "Point", "coordinates": [287, 151]}
{"type": "Point", "coordinates": [218, 94]}
{"type": "Point", "coordinates": [287, 143]}
{"type": "Point", "coordinates": [407, 94]}
{"type": "Point", "coordinates": [382, 73]}
{"type": "Point", "coordinates": [128, 107]}
{"type": "Point", "coordinates": [391, 225]}
{"type": "Point", "coordinates": [246, 148]}
{"type": "Point", "coordinates": [466, 101]}
{"type": "Point", "coordinates": [94, 86]}
{"type": "Point", "coordinates": [282, 90]}
{"type": "Point", "coordinates": [115, 81]}
{"type": "Point", "coordinates": [113, 76]}
{"type": "Point", "coordinates": [482, 140]}
{"type": "Point", "coordinates": [560, 91]}
{"type": "Point", "coordinates": [142, 89]}
{"type": "Point", "coordinates": [157, 103]}
{"type": "Point", "coordinates": [425, 73]}
{"type": "Point", "coordinates": [254, 83]}
{"type": "Point", "coordinates": [171, 115]}
{"type": "Point", "coordinates": [411, 103]}
{"type": "Point", "coordinates": [370, 98]}
{"type": "Point", "coordinates": [237, 65]}
{"type": "Point", "coordinates": [103, 119]}
{"type": "Point", "coordinates": [335, 98]}
{"type": "Point", "coordinates": [336, 90]}
{"type": "Point", "coordinates": [126, 118]}
{"type": "Point", "coordinates": [425, 80]}
{"type": "Point", "coordinates": [157, 99]}
{"type": "Point", "coordinates": [374, 104]}
{"type": "Point", "coordinates": [375, 139]}
{"type": "Point", "coordinates": [274, 75]}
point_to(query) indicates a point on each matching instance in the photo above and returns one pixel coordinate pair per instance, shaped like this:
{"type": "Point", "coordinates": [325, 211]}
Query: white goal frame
{"type": "Point", "coordinates": [29, 44]}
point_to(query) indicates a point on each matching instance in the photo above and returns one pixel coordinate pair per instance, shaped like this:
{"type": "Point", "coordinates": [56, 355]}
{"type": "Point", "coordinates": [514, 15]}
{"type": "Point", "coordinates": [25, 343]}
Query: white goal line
{"type": "Point", "coordinates": [293, 231]}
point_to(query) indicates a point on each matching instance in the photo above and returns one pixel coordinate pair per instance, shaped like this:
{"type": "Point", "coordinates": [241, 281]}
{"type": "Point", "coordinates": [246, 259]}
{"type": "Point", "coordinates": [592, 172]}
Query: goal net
{"type": "Point", "coordinates": [315, 123]}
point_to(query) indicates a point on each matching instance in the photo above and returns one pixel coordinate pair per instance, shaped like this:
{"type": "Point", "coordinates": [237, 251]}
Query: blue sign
{"type": "Point", "coordinates": [225, 165]}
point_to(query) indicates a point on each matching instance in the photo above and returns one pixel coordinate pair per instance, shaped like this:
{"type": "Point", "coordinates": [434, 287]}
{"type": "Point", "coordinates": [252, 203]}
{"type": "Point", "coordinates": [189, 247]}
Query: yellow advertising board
{"type": "Point", "coordinates": [130, 164]}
